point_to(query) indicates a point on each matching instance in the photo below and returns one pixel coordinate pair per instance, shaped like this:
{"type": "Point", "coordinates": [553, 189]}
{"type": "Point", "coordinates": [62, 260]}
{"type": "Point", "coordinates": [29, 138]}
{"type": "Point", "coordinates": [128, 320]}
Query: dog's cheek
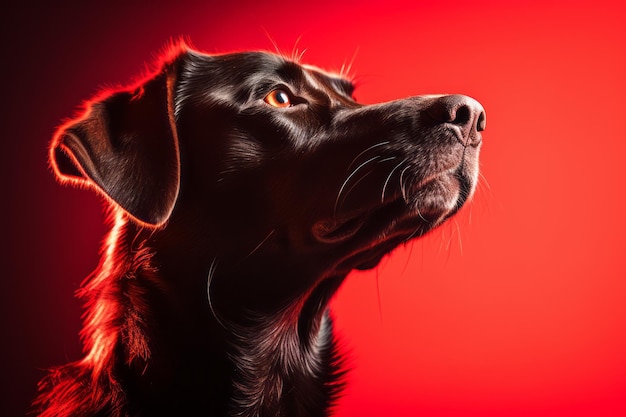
{"type": "Point", "coordinates": [242, 154]}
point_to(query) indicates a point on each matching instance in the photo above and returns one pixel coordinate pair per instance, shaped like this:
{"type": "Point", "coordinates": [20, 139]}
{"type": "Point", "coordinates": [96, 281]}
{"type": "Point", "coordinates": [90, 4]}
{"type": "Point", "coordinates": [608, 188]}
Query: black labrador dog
{"type": "Point", "coordinates": [243, 188]}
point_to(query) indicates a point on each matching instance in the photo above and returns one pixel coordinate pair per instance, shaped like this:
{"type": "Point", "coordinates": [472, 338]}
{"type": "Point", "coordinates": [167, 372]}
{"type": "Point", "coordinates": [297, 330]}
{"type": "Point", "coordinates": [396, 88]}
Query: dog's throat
{"type": "Point", "coordinates": [300, 341]}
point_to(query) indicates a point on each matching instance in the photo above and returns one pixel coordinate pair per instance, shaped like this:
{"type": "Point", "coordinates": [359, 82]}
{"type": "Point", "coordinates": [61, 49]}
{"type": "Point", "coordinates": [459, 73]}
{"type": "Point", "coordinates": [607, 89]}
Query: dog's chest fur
{"type": "Point", "coordinates": [146, 358]}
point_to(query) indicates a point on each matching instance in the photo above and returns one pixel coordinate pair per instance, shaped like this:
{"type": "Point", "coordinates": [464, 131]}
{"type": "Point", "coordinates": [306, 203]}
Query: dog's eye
{"type": "Point", "coordinates": [278, 98]}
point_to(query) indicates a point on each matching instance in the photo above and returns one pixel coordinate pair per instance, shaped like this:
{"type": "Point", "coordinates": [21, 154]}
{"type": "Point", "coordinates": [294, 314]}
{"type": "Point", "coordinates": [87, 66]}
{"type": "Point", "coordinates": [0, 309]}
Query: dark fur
{"type": "Point", "coordinates": [234, 222]}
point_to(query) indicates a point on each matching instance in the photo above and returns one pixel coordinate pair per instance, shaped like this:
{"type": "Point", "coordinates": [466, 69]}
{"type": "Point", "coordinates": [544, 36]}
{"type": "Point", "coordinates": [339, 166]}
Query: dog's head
{"type": "Point", "coordinates": [262, 161]}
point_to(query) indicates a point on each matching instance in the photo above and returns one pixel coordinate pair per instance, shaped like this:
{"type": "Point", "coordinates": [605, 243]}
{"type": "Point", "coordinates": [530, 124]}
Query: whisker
{"type": "Point", "coordinates": [407, 258]}
{"type": "Point", "coordinates": [366, 150]}
{"type": "Point", "coordinates": [380, 301]}
{"type": "Point", "coordinates": [412, 235]}
{"type": "Point", "coordinates": [415, 232]}
{"type": "Point", "coordinates": [346, 72]}
{"type": "Point", "coordinates": [442, 237]}
{"type": "Point", "coordinates": [448, 245]}
{"type": "Point", "coordinates": [350, 177]}
{"type": "Point", "coordinates": [483, 179]}
{"type": "Point", "coordinates": [295, 56]}
{"type": "Point", "coordinates": [382, 197]}
{"type": "Point", "coordinates": [419, 213]}
{"type": "Point", "coordinates": [261, 244]}
{"type": "Point", "coordinates": [449, 236]}
{"type": "Point", "coordinates": [353, 186]}
{"type": "Point", "coordinates": [273, 42]}
{"type": "Point", "coordinates": [458, 231]}
{"type": "Point", "coordinates": [211, 275]}
{"type": "Point", "coordinates": [301, 55]}
{"type": "Point", "coordinates": [402, 186]}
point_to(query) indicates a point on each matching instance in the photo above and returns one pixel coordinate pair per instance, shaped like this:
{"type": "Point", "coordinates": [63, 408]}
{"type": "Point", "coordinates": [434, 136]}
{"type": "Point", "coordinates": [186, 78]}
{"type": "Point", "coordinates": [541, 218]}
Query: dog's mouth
{"type": "Point", "coordinates": [370, 233]}
{"type": "Point", "coordinates": [339, 229]}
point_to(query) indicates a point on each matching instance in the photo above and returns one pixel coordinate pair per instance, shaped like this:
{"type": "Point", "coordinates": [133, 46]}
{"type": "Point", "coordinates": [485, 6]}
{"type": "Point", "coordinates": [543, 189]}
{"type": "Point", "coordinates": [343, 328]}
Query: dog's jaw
{"type": "Point", "coordinates": [367, 235]}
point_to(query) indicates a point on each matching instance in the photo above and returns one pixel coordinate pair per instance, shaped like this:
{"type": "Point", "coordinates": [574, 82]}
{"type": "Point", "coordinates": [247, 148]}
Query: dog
{"type": "Point", "coordinates": [242, 189]}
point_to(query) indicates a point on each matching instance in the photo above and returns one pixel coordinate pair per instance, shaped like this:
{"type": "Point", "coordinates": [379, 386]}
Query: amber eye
{"type": "Point", "coordinates": [278, 98]}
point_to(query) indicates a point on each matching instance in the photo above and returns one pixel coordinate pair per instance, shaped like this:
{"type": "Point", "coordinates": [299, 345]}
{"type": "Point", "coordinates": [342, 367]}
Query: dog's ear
{"type": "Point", "coordinates": [126, 146]}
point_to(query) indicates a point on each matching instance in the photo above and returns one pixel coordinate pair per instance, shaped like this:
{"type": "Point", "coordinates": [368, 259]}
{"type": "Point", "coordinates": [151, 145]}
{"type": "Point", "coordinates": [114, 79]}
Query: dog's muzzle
{"type": "Point", "coordinates": [420, 178]}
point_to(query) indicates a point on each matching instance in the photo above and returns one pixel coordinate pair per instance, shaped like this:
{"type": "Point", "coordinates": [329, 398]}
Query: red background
{"type": "Point", "coordinates": [516, 308]}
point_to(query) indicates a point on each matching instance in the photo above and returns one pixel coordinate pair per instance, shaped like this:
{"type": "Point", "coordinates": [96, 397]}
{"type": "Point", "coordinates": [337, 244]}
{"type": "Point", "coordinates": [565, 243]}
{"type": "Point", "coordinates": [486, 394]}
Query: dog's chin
{"type": "Point", "coordinates": [368, 235]}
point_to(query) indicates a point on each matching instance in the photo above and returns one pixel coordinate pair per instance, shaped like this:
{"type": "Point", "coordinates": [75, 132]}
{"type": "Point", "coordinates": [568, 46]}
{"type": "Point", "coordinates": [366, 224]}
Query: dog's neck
{"type": "Point", "coordinates": [279, 364]}
{"type": "Point", "coordinates": [286, 365]}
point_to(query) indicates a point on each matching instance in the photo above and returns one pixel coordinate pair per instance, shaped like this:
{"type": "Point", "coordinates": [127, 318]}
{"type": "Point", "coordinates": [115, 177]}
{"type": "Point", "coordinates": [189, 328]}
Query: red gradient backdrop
{"type": "Point", "coordinates": [516, 308]}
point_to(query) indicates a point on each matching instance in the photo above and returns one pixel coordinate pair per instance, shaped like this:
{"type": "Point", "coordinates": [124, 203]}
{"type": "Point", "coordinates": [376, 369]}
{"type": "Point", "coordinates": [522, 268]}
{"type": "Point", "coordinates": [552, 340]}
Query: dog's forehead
{"type": "Point", "coordinates": [258, 64]}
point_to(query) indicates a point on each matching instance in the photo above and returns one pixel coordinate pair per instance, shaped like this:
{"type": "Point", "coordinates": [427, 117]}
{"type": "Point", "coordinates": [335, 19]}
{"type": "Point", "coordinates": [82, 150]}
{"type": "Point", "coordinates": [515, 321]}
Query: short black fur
{"type": "Point", "coordinates": [234, 221]}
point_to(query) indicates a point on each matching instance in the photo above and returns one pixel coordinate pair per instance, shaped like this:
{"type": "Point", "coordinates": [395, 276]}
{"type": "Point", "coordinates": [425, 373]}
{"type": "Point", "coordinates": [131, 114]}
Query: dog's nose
{"type": "Point", "coordinates": [462, 111]}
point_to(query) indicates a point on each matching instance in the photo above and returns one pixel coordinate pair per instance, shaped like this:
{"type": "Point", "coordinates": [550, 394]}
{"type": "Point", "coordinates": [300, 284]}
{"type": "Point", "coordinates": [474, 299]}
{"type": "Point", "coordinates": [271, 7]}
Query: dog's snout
{"type": "Point", "coordinates": [462, 111]}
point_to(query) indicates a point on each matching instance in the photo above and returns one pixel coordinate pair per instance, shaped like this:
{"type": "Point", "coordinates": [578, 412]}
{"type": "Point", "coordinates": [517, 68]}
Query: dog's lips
{"type": "Point", "coordinates": [370, 226]}
{"type": "Point", "coordinates": [431, 203]}
{"type": "Point", "coordinates": [337, 230]}
{"type": "Point", "coordinates": [372, 232]}
{"type": "Point", "coordinates": [364, 238]}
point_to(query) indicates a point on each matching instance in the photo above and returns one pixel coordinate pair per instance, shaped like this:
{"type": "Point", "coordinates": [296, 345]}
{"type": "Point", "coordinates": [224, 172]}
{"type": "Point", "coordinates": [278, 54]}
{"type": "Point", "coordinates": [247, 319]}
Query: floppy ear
{"type": "Point", "coordinates": [126, 146]}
